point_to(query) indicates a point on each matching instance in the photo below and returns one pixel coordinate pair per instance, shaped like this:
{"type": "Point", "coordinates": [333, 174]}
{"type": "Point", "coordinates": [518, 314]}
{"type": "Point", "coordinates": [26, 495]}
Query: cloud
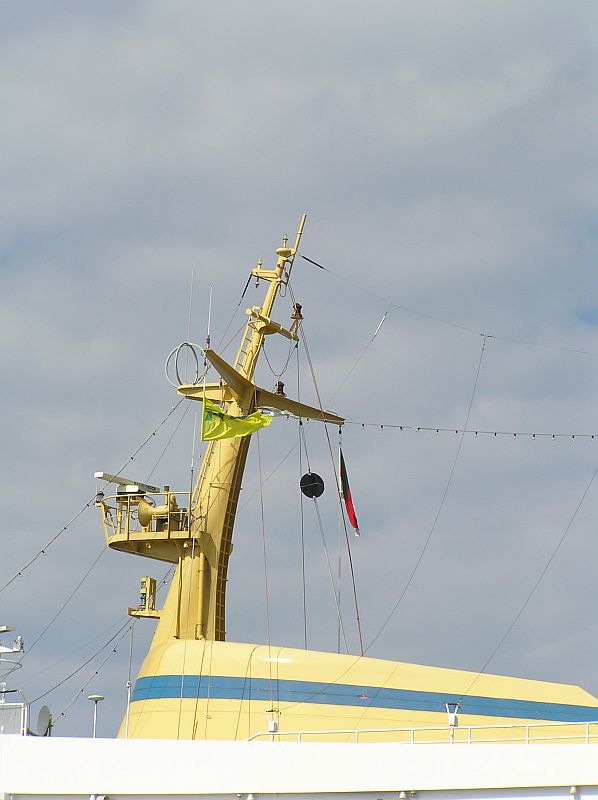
{"type": "Point", "coordinates": [445, 156]}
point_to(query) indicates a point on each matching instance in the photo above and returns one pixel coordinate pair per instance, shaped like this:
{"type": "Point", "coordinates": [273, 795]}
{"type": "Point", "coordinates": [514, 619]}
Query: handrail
{"type": "Point", "coordinates": [13, 718]}
{"type": "Point", "coordinates": [459, 735]}
{"type": "Point", "coordinates": [120, 514]}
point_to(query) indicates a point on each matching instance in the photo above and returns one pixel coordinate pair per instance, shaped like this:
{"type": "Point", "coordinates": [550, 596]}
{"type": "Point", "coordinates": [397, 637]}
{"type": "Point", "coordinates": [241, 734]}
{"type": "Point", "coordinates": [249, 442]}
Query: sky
{"type": "Point", "coordinates": [446, 156]}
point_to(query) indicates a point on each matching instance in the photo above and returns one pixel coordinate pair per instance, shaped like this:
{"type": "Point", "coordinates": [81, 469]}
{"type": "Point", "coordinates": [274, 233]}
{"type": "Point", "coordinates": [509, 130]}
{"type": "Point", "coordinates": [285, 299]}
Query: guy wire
{"type": "Point", "coordinates": [266, 594]}
{"type": "Point", "coordinates": [535, 586]}
{"type": "Point", "coordinates": [313, 375]}
{"type": "Point", "coordinates": [441, 504]}
{"type": "Point", "coordinates": [87, 505]}
{"type": "Point", "coordinates": [300, 424]}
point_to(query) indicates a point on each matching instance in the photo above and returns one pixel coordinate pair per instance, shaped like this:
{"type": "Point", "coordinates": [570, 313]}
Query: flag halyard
{"type": "Point", "coordinates": [346, 495]}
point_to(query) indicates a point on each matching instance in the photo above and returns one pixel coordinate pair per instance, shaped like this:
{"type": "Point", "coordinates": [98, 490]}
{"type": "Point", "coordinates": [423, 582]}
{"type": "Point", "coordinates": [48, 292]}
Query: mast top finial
{"type": "Point", "coordinates": [284, 251]}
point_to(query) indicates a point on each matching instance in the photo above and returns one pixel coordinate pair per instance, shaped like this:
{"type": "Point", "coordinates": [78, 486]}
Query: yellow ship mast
{"type": "Point", "coordinates": [199, 542]}
{"type": "Point", "coordinates": [176, 694]}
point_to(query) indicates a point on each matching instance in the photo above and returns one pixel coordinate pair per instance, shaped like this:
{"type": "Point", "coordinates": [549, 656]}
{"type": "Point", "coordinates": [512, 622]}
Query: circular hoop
{"type": "Point", "coordinates": [176, 352]}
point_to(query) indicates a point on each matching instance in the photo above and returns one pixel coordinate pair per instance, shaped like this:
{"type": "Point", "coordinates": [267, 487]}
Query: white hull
{"type": "Point", "coordinates": [83, 768]}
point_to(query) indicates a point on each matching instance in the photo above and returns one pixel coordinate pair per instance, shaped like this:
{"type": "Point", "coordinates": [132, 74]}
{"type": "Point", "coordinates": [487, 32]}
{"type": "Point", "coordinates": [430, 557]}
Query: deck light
{"type": "Point", "coordinates": [95, 698]}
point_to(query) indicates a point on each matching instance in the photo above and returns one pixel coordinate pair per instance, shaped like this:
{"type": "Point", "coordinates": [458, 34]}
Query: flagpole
{"type": "Point", "coordinates": [341, 525]}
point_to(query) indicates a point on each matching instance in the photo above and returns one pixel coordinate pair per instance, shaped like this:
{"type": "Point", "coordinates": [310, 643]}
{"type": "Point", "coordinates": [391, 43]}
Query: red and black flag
{"type": "Point", "coordinates": [346, 495]}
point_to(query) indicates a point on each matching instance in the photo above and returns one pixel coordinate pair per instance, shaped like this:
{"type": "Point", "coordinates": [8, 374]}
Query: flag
{"type": "Point", "coordinates": [346, 495]}
{"type": "Point", "coordinates": [216, 424]}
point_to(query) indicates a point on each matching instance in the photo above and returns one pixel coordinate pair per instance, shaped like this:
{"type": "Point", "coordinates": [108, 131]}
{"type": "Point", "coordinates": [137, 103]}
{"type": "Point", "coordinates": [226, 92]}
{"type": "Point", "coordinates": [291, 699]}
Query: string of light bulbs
{"type": "Point", "coordinates": [473, 431]}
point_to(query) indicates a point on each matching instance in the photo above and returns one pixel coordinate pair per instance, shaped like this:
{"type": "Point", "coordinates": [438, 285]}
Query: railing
{"type": "Point", "coordinates": [13, 719]}
{"type": "Point", "coordinates": [517, 733]}
{"type": "Point", "coordinates": [168, 517]}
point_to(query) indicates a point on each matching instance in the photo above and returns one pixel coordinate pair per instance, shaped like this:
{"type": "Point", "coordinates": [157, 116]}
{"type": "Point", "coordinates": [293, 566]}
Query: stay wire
{"type": "Point", "coordinates": [336, 476]}
{"type": "Point", "coordinates": [250, 497]}
{"type": "Point", "coordinates": [87, 505]}
{"type": "Point", "coordinates": [265, 563]}
{"type": "Point", "coordinates": [65, 603]}
{"type": "Point", "coordinates": [441, 504]}
{"type": "Point", "coordinates": [350, 555]}
{"type": "Point", "coordinates": [163, 581]}
{"type": "Point", "coordinates": [169, 442]}
{"type": "Point", "coordinates": [302, 516]}
{"type": "Point", "coordinates": [451, 324]}
{"type": "Point", "coordinates": [292, 346]}
{"type": "Point", "coordinates": [181, 562]}
{"type": "Point", "coordinates": [100, 635]}
{"type": "Point", "coordinates": [118, 622]}
{"type": "Point", "coordinates": [230, 322]}
{"type": "Point", "coordinates": [97, 671]}
{"type": "Point", "coordinates": [325, 546]}
{"type": "Point", "coordinates": [518, 615]}
{"type": "Point", "coordinates": [360, 356]}
{"type": "Point", "coordinates": [85, 663]}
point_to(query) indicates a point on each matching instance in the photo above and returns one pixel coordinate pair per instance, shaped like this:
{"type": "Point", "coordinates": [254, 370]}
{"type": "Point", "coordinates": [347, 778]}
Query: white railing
{"type": "Point", "coordinates": [519, 733]}
{"type": "Point", "coordinates": [13, 719]}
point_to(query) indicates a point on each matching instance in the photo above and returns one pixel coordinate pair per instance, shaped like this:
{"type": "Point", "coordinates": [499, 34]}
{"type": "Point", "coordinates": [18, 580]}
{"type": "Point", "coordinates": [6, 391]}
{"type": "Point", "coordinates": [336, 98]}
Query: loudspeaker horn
{"type": "Point", "coordinates": [145, 512]}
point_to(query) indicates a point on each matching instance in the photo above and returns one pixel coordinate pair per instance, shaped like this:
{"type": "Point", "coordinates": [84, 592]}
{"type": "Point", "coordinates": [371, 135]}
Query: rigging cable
{"type": "Point", "coordinates": [64, 605]}
{"type": "Point", "coordinates": [302, 516]}
{"type": "Point", "coordinates": [128, 684]}
{"type": "Point", "coordinates": [89, 570]}
{"type": "Point", "coordinates": [87, 505]}
{"type": "Point", "coordinates": [103, 647]}
{"type": "Point", "coordinates": [456, 325]}
{"type": "Point", "coordinates": [118, 622]}
{"type": "Point", "coordinates": [169, 442]}
{"type": "Point", "coordinates": [85, 663]}
{"type": "Point", "coordinates": [181, 562]}
{"type": "Point", "coordinates": [96, 672]}
{"type": "Point", "coordinates": [313, 375]}
{"type": "Point", "coordinates": [209, 676]}
{"type": "Point", "coordinates": [360, 356]}
{"type": "Point", "coordinates": [339, 567]}
{"type": "Point", "coordinates": [246, 680]}
{"type": "Point", "coordinates": [323, 537]}
{"type": "Point", "coordinates": [535, 586]}
{"type": "Point", "coordinates": [292, 346]}
{"type": "Point", "coordinates": [344, 521]}
{"type": "Point", "coordinates": [441, 504]}
{"type": "Point", "coordinates": [230, 322]}
{"type": "Point", "coordinates": [264, 555]}
{"type": "Point", "coordinates": [100, 635]}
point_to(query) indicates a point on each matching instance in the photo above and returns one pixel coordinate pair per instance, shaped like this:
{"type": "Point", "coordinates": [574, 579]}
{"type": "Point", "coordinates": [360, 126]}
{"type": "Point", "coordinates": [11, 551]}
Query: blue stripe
{"type": "Point", "coordinates": [219, 687]}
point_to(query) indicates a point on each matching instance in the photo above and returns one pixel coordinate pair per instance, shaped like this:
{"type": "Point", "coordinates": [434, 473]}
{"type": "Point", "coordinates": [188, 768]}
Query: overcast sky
{"type": "Point", "coordinates": [446, 156]}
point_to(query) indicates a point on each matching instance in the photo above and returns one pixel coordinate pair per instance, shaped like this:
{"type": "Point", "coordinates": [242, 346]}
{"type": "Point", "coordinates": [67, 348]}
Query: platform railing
{"type": "Point", "coordinates": [121, 515]}
{"type": "Point", "coordinates": [514, 733]}
{"type": "Point", "coordinates": [13, 719]}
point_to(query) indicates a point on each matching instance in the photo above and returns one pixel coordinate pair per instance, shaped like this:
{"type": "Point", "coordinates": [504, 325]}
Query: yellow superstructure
{"type": "Point", "coordinates": [193, 684]}
{"type": "Point", "coordinates": [233, 691]}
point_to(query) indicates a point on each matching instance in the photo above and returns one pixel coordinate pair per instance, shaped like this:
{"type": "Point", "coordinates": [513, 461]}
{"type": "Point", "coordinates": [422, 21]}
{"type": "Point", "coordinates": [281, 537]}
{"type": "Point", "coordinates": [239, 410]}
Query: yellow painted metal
{"type": "Point", "coordinates": [147, 600]}
{"type": "Point", "coordinates": [167, 530]}
{"type": "Point", "coordinates": [195, 533]}
{"type": "Point", "coordinates": [246, 715]}
{"type": "Point", "coordinates": [199, 540]}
